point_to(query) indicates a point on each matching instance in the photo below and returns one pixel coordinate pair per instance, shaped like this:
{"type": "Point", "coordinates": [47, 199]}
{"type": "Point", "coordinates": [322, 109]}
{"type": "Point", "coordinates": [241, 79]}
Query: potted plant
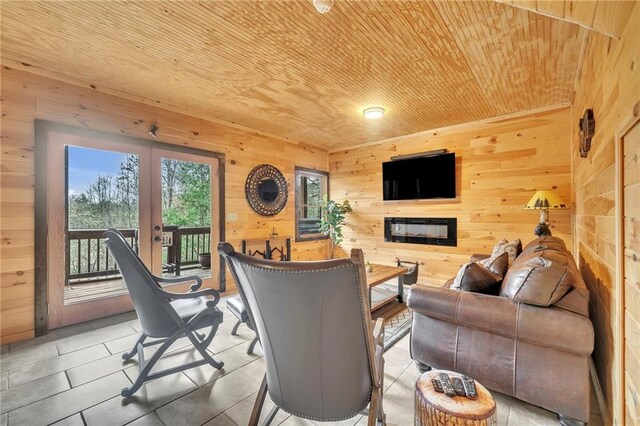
{"type": "Point", "coordinates": [205, 260]}
{"type": "Point", "coordinates": [332, 219]}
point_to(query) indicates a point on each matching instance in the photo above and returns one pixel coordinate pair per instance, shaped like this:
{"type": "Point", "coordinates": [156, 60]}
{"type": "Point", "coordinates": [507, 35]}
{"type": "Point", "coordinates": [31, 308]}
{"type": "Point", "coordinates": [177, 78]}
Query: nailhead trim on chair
{"type": "Point", "coordinates": [362, 313]}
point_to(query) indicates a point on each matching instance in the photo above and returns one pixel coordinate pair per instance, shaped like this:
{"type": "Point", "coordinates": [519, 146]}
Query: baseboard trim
{"type": "Point", "coordinates": [602, 405]}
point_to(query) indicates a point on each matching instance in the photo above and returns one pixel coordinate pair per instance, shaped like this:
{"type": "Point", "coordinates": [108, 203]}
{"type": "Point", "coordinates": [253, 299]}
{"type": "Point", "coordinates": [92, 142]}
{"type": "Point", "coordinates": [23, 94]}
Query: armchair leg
{"type": "Point", "coordinates": [234, 332]}
{"type": "Point", "coordinates": [568, 421]}
{"type": "Point", "coordinates": [257, 406]}
{"type": "Point", "coordinates": [271, 416]}
{"type": "Point", "coordinates": [145, 367]}
{"type": "Point", "coordinates": [373, 409]}
{"type": "Point", "coordinates": [201, 347]}
{"type": "Point", "coordinates": [134, 351]}
{"type": "Point", "coordinates": [252, 346]}
{"type": "Point", "coordinates": [381, 416]}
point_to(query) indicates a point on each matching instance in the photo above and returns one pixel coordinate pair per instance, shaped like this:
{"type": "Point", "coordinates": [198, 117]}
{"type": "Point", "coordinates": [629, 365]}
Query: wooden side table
{"type": "Point", "coordinates": [435, 409]}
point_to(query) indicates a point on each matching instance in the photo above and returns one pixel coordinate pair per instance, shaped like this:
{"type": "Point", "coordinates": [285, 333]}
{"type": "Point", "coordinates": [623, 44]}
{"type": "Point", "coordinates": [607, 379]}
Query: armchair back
{"type": "Point", "coordinates": [157, 316]}
{"type": "Point", "coordinates": [314, 326]}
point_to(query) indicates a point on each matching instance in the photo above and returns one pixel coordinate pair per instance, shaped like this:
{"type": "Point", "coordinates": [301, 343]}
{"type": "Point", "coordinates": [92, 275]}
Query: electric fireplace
{"type": "Point", "coordinates": [421, 230]}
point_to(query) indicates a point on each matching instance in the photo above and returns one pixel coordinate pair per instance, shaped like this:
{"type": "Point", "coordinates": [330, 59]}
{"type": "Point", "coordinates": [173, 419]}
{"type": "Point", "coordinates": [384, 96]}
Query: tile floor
{"type": "Point", "coordinates": [73, 376]}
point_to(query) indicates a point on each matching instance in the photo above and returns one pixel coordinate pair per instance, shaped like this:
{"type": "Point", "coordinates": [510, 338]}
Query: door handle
{"type": "Point", "coordinates": [157, 239]}
{"type": "Point", "coordinates": [157, 227]}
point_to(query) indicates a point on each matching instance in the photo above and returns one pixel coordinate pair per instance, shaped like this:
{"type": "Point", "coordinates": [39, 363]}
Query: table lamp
{"type": "Point", "coordinates": [544, 201]}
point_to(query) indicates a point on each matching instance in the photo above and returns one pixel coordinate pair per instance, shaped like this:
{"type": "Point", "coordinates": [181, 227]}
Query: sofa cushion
{"type": "Point", "coordinates": [539, 277]}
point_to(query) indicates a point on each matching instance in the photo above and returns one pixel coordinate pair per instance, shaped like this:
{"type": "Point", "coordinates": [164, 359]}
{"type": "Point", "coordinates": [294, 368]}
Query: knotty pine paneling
{"type": "Point", "coordinates": [609, 83]}
{"type": "Point", "coordinates": [604, 16]}
{"type": "Point", "coordinates": [26, 97]}
{"type": "Point", "coordinates": [499, 165]}
{"type": "Point", "coordinates": [281, 67]}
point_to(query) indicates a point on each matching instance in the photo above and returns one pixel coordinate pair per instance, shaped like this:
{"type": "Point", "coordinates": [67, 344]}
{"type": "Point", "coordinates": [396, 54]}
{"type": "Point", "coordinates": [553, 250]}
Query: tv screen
{"type": "Point", "coordinates": [420, 178]}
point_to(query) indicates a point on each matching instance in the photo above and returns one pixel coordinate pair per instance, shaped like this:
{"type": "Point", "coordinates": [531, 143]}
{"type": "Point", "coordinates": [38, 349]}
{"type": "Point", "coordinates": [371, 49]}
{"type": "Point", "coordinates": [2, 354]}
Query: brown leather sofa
{"type": "Point", "coordinates": [539, 354]}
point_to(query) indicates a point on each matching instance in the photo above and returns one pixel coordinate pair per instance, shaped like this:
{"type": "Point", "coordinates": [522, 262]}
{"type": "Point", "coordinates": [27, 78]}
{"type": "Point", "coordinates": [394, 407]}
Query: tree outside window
{"type": "Point", "coordinates": [311, 188]}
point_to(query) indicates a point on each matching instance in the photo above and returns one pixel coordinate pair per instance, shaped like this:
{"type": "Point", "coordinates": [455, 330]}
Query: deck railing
{"type": "Point", "coordinates": [189, 242]}
{"type": "Point", "coordinates": [89, 260]}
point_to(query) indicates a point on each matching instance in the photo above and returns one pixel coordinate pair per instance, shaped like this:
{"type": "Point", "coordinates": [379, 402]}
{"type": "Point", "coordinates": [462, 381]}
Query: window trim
{"type": "Point", "coordinates": [319, 173]}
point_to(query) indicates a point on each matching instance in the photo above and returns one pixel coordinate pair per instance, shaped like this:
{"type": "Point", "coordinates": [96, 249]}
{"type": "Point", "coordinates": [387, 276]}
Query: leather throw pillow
{"type": "Point", "coordinates": [498, 265]}
{"type": "Point", "coordinates": [539, 278]}
{"type": "Point", "coordinates": [477, 279]}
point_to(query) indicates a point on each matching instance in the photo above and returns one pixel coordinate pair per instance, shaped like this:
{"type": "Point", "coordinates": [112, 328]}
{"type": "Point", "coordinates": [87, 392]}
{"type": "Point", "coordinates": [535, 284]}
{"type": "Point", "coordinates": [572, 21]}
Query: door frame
{"type": "Point", "coordinates": [41, 169]}
{"type": "Point", "coordinates": [619, 334]}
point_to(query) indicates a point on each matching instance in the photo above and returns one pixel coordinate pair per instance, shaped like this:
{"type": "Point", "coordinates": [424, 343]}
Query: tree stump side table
{"type": "Point", "coordinates": [436, 409]}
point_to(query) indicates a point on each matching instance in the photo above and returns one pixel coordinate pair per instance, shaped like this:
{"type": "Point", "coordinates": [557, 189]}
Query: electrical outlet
{"type": "Point", "coordinates": [232, 217]}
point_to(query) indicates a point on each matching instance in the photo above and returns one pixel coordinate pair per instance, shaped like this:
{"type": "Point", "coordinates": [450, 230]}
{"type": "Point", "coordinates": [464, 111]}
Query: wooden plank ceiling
{"type": "Point", "coordinates": [604, 16]}
{"type": "Point", "coordinates": [282, 68]}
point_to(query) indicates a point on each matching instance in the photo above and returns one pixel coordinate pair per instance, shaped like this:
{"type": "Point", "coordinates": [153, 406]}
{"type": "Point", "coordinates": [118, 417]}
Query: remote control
{"type": "Point", "coordinates": [437, 386]}
{"type": "Point", "coordinates": [446, 384]}
{"type": "Point", "coordinates": [469, 387]}
{"type": "Point", "coordinates": [458, 386]}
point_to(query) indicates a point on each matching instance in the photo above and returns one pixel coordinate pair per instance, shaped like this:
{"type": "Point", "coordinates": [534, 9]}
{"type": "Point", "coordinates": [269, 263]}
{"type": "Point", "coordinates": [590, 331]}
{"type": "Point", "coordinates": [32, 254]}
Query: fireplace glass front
{"type": "Point", "coordinates": [435, 231]}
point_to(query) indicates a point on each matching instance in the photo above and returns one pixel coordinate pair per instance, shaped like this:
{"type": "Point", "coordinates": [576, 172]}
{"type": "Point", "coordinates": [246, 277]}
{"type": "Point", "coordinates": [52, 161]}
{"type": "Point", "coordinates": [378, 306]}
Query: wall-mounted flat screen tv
{"type": "Point", "coordinates": [420, 178]}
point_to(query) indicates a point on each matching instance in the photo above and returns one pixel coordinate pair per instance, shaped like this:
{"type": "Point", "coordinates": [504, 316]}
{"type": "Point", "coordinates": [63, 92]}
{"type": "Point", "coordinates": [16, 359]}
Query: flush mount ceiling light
{"type": "Point", "coordinates": [373, 113]}
{"type": "Point", "coordinates": [323, 6]}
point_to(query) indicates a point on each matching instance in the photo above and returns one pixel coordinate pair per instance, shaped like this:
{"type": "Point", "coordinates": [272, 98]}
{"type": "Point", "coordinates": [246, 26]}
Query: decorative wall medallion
{"type": "Point", "coordinates": [587, 126]}
{"type": "Point", "coordinates": [266, 190]}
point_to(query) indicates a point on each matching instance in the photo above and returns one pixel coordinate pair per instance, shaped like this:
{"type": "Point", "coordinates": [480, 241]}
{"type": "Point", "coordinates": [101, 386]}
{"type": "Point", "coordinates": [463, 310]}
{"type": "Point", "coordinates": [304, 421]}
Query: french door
{"type": "Point", "coordinates": [165, 202]}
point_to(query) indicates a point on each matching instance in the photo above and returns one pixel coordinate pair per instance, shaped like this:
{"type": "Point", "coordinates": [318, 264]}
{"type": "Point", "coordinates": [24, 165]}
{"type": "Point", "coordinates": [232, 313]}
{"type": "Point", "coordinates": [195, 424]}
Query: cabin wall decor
{"type": "Point", "coordinates": [266, 190]}
{"type": "Point", "coordinates": [587, 126]}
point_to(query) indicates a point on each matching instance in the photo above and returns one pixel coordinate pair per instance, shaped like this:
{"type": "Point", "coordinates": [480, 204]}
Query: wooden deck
{"type": "Point", "coordinates": [84, 292]}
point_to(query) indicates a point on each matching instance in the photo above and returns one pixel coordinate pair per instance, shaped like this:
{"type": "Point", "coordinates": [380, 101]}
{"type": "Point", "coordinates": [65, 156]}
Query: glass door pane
{"type": "Point", "coordinates": [102, 192]}
{"type": "Point", "coordinates": [186, 218]}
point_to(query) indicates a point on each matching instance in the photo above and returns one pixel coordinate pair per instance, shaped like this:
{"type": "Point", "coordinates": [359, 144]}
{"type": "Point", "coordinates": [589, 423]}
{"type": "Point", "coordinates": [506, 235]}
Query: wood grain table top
{"type": "Point", "coordinates": [383, 273]}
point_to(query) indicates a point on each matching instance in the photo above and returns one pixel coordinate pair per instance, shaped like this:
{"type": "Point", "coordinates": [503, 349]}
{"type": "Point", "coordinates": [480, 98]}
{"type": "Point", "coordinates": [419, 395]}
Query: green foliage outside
{"type": "Point", "coordinates": [112, 199]}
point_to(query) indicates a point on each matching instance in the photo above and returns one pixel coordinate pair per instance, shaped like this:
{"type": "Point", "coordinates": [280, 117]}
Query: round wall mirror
{"type": "Point", "coordinates": [266, 190]}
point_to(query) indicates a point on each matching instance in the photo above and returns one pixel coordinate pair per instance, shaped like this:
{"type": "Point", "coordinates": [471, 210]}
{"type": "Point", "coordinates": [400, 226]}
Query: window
{"type": "Point", "coordinates": [311, 187]}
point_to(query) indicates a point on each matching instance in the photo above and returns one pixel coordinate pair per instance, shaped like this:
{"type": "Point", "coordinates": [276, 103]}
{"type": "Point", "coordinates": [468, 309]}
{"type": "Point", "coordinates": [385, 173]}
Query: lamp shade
{"type": "Point", "coordinates": [547, 200]}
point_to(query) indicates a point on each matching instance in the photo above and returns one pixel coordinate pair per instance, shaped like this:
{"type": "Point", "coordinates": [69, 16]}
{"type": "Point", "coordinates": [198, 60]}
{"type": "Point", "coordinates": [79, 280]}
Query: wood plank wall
{"type": "Point", "coordinates": [499, 165]}
{"type": "Point", "coordinates": [26, 97]}
{"type": "Point", "coordinates": [609, 83]}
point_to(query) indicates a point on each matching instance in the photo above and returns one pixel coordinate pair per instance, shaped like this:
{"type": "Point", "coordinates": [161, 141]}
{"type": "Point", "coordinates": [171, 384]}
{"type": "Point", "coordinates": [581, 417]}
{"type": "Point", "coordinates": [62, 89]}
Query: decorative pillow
{"type": "Point", "coordinates": [498, 265]}
{"type": "Point", "coordinates": [504, 246]}
{"type": "Point", "coordinates": [479, 278]}
{"type": "Point", "coordinates": [475, 278]}
{"type": "Point", "coordinates": [539, 278]}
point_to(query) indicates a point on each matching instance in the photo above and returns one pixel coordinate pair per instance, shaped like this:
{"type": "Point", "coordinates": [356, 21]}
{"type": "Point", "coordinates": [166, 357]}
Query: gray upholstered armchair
{"type": "Point", "coordinates": [323, 355]}
{"type": "Point", "coordinates": [164, 316]}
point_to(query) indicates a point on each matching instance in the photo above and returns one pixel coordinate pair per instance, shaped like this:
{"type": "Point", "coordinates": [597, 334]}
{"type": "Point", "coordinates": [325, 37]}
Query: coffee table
{"type": "Point", "coordinates": [381, 274]}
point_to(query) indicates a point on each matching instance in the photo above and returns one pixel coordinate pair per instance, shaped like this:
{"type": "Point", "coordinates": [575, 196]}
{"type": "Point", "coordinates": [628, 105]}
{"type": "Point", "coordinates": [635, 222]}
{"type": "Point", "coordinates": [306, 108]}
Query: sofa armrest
{"type": "Point", "coordinates": [493, 314]}
{"type": "Point", "coordinates": [478, 256]}
{"type": "Point", "coordinates": [549, 327]}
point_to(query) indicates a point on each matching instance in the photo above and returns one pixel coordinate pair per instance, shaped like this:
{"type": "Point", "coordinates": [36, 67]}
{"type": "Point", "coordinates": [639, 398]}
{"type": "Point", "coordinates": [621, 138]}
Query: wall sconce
{"type": "Point", "coordinates": [153, 130]}
{"type": "Point", "coordinates": [587, 126]}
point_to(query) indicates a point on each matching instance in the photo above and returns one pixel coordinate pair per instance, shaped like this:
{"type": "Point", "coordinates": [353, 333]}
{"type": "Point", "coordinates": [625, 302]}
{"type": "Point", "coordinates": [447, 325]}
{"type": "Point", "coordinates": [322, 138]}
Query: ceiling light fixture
{"type": "Point", "coordinates": [373, 113]}
{"type": "Point", "coordinates": [322, 6]}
